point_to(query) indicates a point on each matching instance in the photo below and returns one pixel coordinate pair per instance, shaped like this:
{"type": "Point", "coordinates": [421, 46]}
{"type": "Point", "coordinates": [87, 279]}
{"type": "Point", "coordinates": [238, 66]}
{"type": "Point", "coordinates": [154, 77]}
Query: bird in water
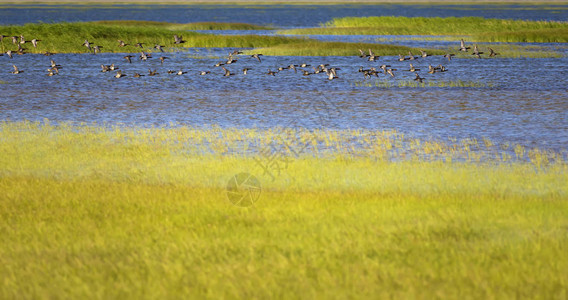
{"type": "Point", "coordinates": [152, 73]}
{"type": "Point", "coordinates": [162, 58]}
{"type": "Point", "coordinates": [16, 70]}
{"type": "Point", "coordinates": [418, 78]}
{"type": "Point", "coordinates": [119, 74]}
{"type": "Point", "coordinates": [245, 70]}
{"type": "Point", "coordinates": [227, 72]}
{"type": "Point", "coordinates": [271, 73]}
{"type": "Point", "coordinates": [129, 58]}
{"type": "Point", "coordinates": [413, 69]}
{"type": "Point", "coordinates": [204, 72]}
{"type": "Point", "coordinates": [372, 56]}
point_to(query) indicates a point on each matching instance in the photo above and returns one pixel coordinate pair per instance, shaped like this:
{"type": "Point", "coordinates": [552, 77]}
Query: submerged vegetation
{"type": "Point", "coordinates": [68, 38]}
{"type": "Point", "coordinates": [474, 28]}
{"type": "Point", "coordinates": [112, 211]}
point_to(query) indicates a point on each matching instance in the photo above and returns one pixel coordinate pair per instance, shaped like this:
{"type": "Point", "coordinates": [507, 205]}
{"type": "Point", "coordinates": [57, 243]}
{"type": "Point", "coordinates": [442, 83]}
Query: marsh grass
{"type": "Point", "coordinates": [128, 212]}
{"type": "Point", "coordinates": [186, 26]}
{"type": "Point", "coordinates": [474, 28]}
{"type": "Point", "coordinates": [68, 37]}
{"type": "Point", "coordinates": [118, 212]}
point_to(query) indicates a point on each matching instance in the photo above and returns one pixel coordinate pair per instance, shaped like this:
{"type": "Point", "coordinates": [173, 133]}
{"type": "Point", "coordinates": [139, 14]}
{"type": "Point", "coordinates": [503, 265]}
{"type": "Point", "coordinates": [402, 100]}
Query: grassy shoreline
{"type": "Point", "coordinates": [114, 212]}
{"type": "Point", "coordinates": [68, 37]}
{"type": "Point", "coordinates": [474, 28]}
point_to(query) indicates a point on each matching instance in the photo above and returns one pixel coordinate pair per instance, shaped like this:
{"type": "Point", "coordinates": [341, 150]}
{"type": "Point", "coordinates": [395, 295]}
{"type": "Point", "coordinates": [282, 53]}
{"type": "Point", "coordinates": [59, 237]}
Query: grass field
{"type": "Point", "coordinates": [474, 28]}
{"type": "Point", "coordinates": [68, 38]}
{"type": "Point", "coordinates": [92, 211]}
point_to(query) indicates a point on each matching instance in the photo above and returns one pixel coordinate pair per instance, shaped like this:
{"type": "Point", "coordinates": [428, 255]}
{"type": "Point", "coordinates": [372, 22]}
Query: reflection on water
{"type": "Point", "coordinates": [525, 101]}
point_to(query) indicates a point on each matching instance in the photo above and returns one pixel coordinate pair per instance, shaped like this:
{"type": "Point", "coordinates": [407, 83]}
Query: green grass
{"type": "Point", "coordinates": [106, 212]}
{"type": "Point", "coordinates": [474, 28]}
{"type": "Point", "coordinates": [186, 26]}
{"type": "Point", "coordinates": [68, 37]}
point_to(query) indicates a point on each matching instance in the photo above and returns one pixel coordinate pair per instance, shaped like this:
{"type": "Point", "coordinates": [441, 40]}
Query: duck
{"type": "Point", "coordinates": [129, 58]}
{"type": "Point", "coordinates": [87, 44]}
{"type": "Point", "coordinates": [418, 78]}
{"type": "Point", "coordinates": [137, 75]}
{"type": "Point", "coordinates": [271, 73]}
{"type": "Point", "coordinates": [9, 53]}
{"type": "Point", "coordinates": [423, 54]}
{"type": "Point", "coordinates": [34, 42]}
{"type": "Point", "coordinates": [257, 56]}
{"type": "Point", "coordinates": [178, 39]}
{"type": "Point", "coordinates": [204, 72]}
{"type": "Point", "coordinates": [492, 53]}
{"type": "Point", "coordinates": [159, 47]}
{"type": "Point", "coordinates": [462, 46]}
{"type": "Point", "coordinates": [227, 72]}
{"type": "Point", "coordinates": [180, 72]}
{"type": "Point", "coordinates": [139, 45]}
{"type": "Point", "coordinates": [121, 43]}
{"type": "Point", "coordinates": [449, 56]}
{"type": "Point", "coordinates": [16, 70]}
{"type": "Point", "coordinates": [97, 49]}
{"type": "Point", "coordinates": [413, 69]}
{"type": "Point", "coordinates": [245, 70]}
{"type": "Point", "coordinates": [476, 51]}
{"type": "Point", "coordinates": [162, 58]}
{"type": "Point", "coordinates": [152, 73]}
{"type": "Point", "coordinates": [372, 56]}
{"type": "Point", "coordinates": [119, 74]}
{"type": "Point", "coordinates": [143, 56]}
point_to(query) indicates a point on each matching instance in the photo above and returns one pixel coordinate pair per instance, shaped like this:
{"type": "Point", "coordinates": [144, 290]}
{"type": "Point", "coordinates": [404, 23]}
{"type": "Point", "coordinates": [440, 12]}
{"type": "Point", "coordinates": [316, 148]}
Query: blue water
{"type": "Point", "coordinates": [287, 16]}
{"type": "Point", "coordinates": [522, 100]}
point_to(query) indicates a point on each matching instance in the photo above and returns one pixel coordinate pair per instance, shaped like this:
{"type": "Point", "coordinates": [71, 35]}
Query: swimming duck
{"type": "Point", "coordinates": [119, 74]}
{"type": "Point", "coordinates": [418, 78]}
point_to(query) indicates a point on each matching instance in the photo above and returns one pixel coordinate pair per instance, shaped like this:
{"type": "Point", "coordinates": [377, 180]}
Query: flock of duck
{"type": "Point", "coordinates": [233, 57]}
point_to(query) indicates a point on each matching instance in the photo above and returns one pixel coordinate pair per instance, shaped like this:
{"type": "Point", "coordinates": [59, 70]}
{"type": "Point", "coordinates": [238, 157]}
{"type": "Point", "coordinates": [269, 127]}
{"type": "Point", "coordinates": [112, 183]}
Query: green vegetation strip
{"type": "Point", "coordinates": [106, 212]}
{"type": "Point", "coordinates": [474, 28]}
{"type": "Point", "coordinates": [68, 37]}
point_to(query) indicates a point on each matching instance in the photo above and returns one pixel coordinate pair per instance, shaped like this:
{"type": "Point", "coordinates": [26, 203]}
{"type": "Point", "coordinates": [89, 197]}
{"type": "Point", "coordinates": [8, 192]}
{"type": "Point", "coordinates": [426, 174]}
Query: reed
{"type": "Point", "coordinates": [474, 28]}
{"type": "Point", "coordinates": [104, 211]}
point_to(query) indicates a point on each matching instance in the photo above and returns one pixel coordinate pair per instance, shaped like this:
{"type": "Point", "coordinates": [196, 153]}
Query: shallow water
{"type": "Point", "coordinates": [521, 101]}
